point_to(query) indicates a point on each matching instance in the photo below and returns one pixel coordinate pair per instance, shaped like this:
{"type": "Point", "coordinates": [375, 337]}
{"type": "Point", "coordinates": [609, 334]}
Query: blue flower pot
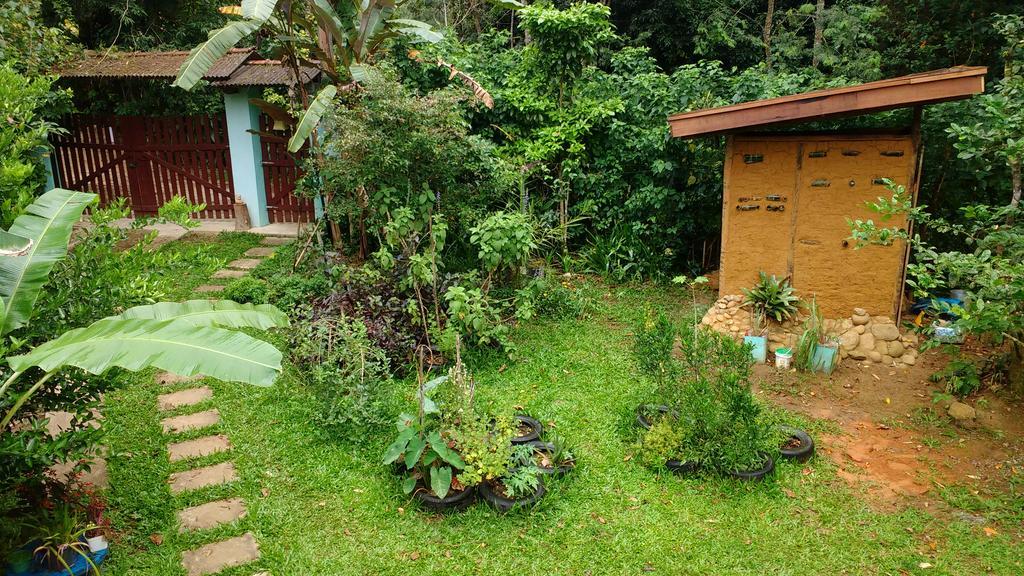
{"type": "Point", "coordinates": [824, 359]}
{"type": "Point", "coordinates": [759, 347]}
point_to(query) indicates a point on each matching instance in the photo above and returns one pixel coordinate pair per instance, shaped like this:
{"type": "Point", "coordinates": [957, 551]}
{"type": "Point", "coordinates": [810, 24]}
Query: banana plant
{"type": "Point", "coordinates": [334, 36]}
{"type": "Point", "coordinates": [186, 338]}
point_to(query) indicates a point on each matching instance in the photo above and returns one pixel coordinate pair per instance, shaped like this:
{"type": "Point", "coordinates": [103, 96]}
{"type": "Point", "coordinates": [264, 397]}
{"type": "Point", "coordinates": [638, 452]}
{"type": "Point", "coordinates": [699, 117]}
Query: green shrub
{"type": "Point", "coordinates": [247, 290]}
{"type": "Point", "coordinates": [350, 374]}
{"type": "Point", "coordinates": [654, 338]}
{"type": "Point", "coordinates": [663, 442]}
{"type": "Point", "coordinates": [772, 298]}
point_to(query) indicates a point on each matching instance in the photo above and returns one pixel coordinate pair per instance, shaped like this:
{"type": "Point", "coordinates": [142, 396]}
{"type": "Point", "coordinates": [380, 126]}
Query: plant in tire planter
{"type": "Point", "coordinates": [797, 445]}
{"type": "Point", "coordinates": [553, 457]}
{"type": "Point", "coordinates": [520, 485]}
{"type": "Point", "coordinates": [654, 338]}
{"type": "Point", "coordinates": [528, 429]}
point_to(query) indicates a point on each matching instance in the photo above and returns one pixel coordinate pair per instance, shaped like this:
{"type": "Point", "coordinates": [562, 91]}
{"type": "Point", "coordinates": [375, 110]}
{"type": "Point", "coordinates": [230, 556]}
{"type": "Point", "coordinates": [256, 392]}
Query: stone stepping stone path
{"type": "Point", "coordinates": [223, 554]}
{"type": "Point", "coordinates": [215, 557]}
{"type": "Point", "coordinates": [211, 514]}
{"type": "Point", "coordinates": [240, 267]}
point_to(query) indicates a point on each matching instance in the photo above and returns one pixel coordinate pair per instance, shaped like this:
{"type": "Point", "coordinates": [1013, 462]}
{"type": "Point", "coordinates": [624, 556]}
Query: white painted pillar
{"type": "Point", "coordinates": [246, 156]}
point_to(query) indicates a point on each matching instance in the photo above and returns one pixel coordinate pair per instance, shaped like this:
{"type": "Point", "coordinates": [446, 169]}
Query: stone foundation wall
{"type": "Point", "coordinates": [862, 337]}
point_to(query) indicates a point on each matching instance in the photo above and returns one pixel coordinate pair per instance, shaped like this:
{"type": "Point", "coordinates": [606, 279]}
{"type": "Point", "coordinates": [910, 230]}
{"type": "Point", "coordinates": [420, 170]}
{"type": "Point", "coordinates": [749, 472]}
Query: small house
{"type": "Point", "coordinates": [787, 195]}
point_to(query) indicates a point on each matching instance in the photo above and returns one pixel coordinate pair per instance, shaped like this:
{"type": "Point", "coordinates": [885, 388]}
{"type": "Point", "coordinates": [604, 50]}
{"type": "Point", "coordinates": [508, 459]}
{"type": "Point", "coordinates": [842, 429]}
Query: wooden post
{"type": "Point", "coordinates": [913, 186]}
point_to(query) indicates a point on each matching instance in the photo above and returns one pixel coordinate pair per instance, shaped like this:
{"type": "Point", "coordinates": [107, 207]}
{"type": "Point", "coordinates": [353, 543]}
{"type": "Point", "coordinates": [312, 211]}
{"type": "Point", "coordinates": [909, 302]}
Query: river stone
{"type": "Point", "coordinates": [874, 356]}
{"type": "Point", "coordinates": [908, 359]}
{"type": "Point", "coordinates": [896, 348]}
{"type": "Point", "coordinates": [867, 341]}
{"type": "Point", "coordinates": [849, 340]}
{"type": "Point", "coordinates": [962, 413]}
{"type": "Point", "coordinates": [860, 312]}
{"type": "Point", "coordinates": [887, 332]}
{"type": "Point", "coordinates": [887, 360]}
{"type": "Point", "coordinates": [860, 329]}
{"type": "Point", "coordinates": [860, 320]}
{"type": "Point", "coordinates": [858, 354]}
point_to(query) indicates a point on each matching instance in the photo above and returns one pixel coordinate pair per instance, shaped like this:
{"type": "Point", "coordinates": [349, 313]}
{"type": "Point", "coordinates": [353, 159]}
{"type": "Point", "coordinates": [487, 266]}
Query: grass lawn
{"type": "Point", "coordinates": [320, 504]}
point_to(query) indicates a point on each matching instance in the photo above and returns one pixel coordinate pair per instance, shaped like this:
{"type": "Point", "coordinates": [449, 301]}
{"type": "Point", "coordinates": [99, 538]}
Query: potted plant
{"type": "Point", "coordinates": [553, 457]}
{"type": "Point", "coordinates": [661, 446]}
{"type": "Point", "coordinates": [769, 299]}
{"type": "Point", "coordinates": [60, 541]}
{"type": "Point", "coordinates": [815, 351]}
{"type": "Point", "coordinates": [519, 485]}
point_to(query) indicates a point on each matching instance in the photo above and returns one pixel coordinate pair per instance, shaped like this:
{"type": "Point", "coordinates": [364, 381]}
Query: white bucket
{"type": "Point", "coordinates": [783, 358]}
{"type": "Point", "coordinates": [96, 543]}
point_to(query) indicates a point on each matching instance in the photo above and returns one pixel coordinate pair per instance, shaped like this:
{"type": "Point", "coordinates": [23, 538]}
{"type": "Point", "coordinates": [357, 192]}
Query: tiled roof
{"type": "Point", "coordinates": [149, 65]}
{"type": "Point", "coordinates": [267, 73]}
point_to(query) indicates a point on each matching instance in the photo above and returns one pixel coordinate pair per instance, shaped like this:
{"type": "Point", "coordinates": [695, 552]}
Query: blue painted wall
{"type": "Point", "coordinates": [246, 156]}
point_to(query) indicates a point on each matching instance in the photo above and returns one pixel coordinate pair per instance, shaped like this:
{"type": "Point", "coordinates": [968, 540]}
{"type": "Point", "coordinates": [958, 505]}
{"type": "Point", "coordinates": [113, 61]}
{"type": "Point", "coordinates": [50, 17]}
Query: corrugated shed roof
{"type": "Point", "coordinates": [913, 90]}
{"type": "Point", "coordinates": [150, 65]}
{"type": "Point", "coordinates": [267, 73]}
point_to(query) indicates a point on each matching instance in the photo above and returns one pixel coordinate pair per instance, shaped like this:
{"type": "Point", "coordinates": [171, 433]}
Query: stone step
{"type": "Point", "coordinates": [259, 252]}
{"type": "Point", "coordinates": [229, 273]}
{"type": "Point", "coordinates": [167, 378]}
{"type": "Point", "coordinates": [277, 241]}
{"type": "Point", "coordinates": [215, 557]}
{"type": "Point", "coordinates": [208, 288]}
{"type": "Point", "coordinates": [188, 397]}
{"type": "Point", "coordinates": [186, 422]}
{"type": "Point", "coordinates": [202, 477]}
{"type": "Point", "coordinates": [211, 514]}
{"type": "Point", "coordinates": [199, 447]}
{"type": "Point", "coordinates": [244, 263]}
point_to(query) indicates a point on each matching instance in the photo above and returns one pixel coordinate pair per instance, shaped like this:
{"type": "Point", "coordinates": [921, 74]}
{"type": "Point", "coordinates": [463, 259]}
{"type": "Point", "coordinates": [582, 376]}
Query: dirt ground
{"type": "Point", "coordinates": [891, 438]}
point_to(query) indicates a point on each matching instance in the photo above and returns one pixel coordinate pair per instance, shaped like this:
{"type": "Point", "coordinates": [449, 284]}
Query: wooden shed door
{"type": "Point", "coordinates": [754, 237]}
{"type": "Point", "coordinates": [837, 178]}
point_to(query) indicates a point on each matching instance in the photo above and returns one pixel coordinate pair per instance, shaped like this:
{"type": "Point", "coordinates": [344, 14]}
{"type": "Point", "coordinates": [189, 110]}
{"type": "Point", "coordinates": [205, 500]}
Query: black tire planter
{"type": "Point", "coordinates": [504, 504]}
{"type": "Point", "coordinates": [801, 453]}
{"type": "Point", "coordinates": [536, 428]}
{"type": "Point", "coordinates": [453, 501]}
{"type": "Point", "coordinates": [758, 473]}
{"type": "Point", "coordinates": [548, 448]}
{"type": "Point", "coordinates": [642, 410]}
{"type": "Point", "coordinates": [682, 467]}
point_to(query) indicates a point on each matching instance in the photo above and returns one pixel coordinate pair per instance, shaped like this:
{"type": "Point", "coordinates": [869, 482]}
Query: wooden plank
{"type": "Point", "coordinates": [927, 88]}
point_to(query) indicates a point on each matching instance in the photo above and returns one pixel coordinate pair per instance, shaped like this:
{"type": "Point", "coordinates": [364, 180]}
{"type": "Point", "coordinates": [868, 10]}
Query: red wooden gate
{"type": "Point", "coordinates": [280, 174]}
{"type": "Point", "coordinates": [148, 161]}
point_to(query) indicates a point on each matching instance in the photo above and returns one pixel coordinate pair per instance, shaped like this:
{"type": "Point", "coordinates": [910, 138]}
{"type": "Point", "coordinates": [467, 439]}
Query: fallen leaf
{"type": "Point", "coordinates": [157, 539]}
{"type": "Point", "coordinates": [806, 471]}
{"type": "Point", "coordinates": [924, 565]}
{"type": "Point", "coordinates": [414, 556]}
{"type": "Point", "coordinates": [447, 553]}
{"type": "Point", "coordinates": [990, 531]}
{"type": "Point", "coordinates": [358, 490]}
{"type": "Point", "coordinates": [648, 568]}
{"type": "Point", "coordinates": [789, 493]}
{"type": "Point", "coordinates": [627, 457]}
{"type": "Point", "coordinates": [401, 510]}
{"type": "Point", "coordinates": [265, 492]}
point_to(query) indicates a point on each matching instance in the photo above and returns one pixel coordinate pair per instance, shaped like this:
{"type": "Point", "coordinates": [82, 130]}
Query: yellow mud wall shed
{"type": "Point", "coordinates": [788, 196]}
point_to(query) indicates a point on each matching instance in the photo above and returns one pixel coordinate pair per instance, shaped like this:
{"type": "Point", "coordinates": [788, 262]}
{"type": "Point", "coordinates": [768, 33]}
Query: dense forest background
{"type": "Point", "coordinates": [581, 91]}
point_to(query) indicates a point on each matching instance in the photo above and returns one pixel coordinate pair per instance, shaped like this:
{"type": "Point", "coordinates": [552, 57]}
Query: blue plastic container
{"type": "Point", "coordinates": [79, 567]}
{"type": "Point", "coordinates": [824, 359]}
{"type": "Point", "coordinates": [759, 347]}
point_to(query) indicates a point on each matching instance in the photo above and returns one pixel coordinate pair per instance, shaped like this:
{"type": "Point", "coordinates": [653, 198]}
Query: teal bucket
{"type": "Point", "coordinates": [759, 345]}
{"type": "Point", "coordinates": [824, 359]}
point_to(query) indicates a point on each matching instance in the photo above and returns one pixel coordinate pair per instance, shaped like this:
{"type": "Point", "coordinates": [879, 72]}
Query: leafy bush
{"type": "Point", "coordinates": [653, 340]}
{"type": "Point", "coordinates": [247, 290]}
{"type": "Point", "coordinates": [960, 377]}
{"type": "Point", "coordinates": [504, 240]}
{"type": "Point", "coordinates": [348, 372]}
{"type": "Point", "coordinates": [707, 383]}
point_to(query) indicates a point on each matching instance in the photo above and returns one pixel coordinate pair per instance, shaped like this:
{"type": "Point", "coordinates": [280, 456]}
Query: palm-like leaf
{"type": "Point", "coordinates": [311, 117]}
{"type": "Point", "coordinates": [222, 313]}
{"type": "Point", "coordinates": [258, 9]}
{"type": "Point", "coordinates": [203, 57]}
{"type": "Point", "coordinates": [47, 222]}
{"type": "Point", "coordinates": [174, 346]}
{"type": "Point", "coordinates": [13, 245]}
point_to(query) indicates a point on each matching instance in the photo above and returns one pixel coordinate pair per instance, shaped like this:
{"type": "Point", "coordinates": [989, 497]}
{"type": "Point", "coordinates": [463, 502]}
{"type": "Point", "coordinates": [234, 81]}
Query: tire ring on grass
{"type": "Point", "coordinates": [801, 453]}
{"type": "Point", "coordinates": [758, 474]}
{"type": "Point", "coordinates": [452, 502]}
{"type": "Point", "coordinates": [536, 428]}
{"type": "Point", "coordinates": [548, 448]}
{"type": "Point", "coordinates": [503, 504]}
{"type": "Point", "coordinates": [641, 417]}
{"type": "Point", "coordinates": [682, 467]}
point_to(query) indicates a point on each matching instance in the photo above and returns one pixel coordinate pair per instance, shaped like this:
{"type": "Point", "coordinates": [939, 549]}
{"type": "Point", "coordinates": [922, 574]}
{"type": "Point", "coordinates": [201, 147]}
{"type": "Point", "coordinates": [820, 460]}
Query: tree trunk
{"type": "Point", "coordinates": [1015, 368]}
{"type": "Point", "coordinates": [819, 32]}
{"type": "Point", "coordinates": [1015, 178]}
{"type": "Point", "coordinates": [767, 35]}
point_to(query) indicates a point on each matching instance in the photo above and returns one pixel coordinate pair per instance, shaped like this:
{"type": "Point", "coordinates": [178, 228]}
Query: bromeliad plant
{"type": "Point", "coordinates": [772, 298]}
